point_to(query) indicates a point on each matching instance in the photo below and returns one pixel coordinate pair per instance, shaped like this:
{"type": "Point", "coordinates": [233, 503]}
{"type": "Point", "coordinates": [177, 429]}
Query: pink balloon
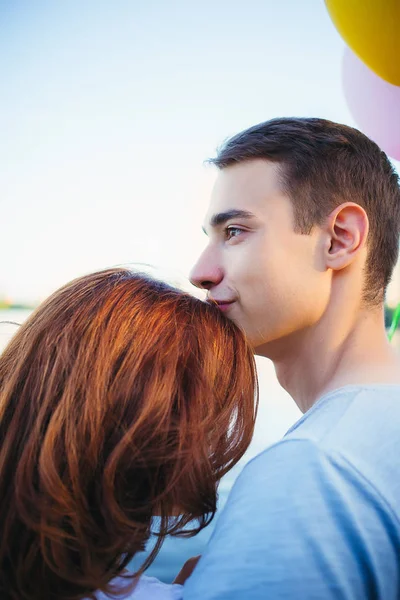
{"type": "Point", "coordinates": [373, 102]}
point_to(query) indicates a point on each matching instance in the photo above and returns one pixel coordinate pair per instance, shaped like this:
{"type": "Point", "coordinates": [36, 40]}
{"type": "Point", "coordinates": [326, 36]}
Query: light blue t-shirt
{"type": "Point", "coordinates": [317, 515]}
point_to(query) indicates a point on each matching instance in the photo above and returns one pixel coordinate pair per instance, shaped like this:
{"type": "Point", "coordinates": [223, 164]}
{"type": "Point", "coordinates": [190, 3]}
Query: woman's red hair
{"type": "Point", "coordinates": [121, 398]}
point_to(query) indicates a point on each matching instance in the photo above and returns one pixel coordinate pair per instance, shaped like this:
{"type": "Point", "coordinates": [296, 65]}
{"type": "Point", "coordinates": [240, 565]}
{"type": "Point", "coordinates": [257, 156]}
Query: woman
{"type": "Point", "coordinates": [121, 399]}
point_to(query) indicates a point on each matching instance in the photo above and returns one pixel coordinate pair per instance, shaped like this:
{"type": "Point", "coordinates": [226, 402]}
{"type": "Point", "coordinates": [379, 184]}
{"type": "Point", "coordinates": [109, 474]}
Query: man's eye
{"type": "Point", "coordinates": [231, 232]}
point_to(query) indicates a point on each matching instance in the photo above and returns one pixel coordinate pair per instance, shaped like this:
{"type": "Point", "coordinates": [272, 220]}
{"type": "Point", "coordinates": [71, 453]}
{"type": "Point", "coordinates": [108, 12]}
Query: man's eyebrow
{"type": "Point", "coordinates": [222, 217]}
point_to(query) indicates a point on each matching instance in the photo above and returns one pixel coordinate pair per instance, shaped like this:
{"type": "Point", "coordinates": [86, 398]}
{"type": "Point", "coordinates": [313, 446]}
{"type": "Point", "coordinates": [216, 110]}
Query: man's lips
{"type": "Point", "coordinates": [223, 304]}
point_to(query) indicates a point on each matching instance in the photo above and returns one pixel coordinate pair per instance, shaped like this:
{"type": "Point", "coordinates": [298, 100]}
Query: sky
{"type": "Point", "coordinates": [109, 109]}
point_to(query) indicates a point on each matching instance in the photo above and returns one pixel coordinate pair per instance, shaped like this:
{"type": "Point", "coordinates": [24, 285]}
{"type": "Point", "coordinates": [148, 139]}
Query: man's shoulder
{"type": "Point", "coordinates": [353, 434]}
{"type": "Point", "coordinates": [359, 423]}
{"type": "Point", "coordinates": [306, 518]}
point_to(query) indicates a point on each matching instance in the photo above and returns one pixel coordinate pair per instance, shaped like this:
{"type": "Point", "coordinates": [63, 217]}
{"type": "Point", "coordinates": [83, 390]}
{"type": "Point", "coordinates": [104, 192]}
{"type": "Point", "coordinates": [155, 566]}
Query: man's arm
{"type": "Point", "coordinates": [300, 524]}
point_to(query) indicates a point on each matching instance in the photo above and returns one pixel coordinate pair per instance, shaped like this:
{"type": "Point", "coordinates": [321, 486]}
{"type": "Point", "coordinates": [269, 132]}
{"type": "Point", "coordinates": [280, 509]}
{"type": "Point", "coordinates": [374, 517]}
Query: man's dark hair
{"type": "Point", "coordinates": [324, 164]}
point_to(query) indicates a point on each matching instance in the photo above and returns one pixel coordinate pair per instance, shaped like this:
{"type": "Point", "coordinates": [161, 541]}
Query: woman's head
{"type": "Point", "coordinates": [121, 398]}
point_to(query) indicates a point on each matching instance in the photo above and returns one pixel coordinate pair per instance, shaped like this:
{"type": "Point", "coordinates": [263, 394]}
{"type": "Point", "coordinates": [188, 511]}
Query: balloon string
{"type": "Point", "coordinates": [395, 322]}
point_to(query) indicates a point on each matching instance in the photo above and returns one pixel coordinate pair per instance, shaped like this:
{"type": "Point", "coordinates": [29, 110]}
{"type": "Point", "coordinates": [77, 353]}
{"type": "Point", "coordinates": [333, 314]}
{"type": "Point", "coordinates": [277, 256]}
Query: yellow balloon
{"type": "Point", "coordinates": [372, 30]}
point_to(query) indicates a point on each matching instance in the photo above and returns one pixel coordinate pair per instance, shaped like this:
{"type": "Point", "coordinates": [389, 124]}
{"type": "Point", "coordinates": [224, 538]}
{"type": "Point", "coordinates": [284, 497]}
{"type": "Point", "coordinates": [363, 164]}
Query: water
{"type": "Point", "coordinates": [277, 412]}
{"type": "Point", "coordinates": [175, 551]}
{"type": "Point", "coordinates": [9, 321]}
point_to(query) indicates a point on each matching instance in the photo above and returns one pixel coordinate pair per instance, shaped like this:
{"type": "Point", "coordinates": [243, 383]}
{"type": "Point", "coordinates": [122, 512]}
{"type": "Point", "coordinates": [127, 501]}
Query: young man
{"type": "Point", "coordinates": [303, 230]}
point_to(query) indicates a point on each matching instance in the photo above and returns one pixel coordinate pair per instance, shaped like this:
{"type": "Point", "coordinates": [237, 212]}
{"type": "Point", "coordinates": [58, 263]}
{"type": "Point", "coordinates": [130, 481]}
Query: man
{"type": "Point", "coordinates": [303, 231]}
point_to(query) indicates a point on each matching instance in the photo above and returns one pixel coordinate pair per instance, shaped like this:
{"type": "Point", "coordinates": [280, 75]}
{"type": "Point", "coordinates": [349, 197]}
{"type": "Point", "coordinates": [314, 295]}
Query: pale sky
{"type": "Point", "coordinates": [108, 109]}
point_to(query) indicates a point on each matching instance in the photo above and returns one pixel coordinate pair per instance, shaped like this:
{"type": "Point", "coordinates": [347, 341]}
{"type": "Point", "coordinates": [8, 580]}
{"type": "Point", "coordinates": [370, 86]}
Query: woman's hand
{"type": "Point", "coordinates": [187, 570]}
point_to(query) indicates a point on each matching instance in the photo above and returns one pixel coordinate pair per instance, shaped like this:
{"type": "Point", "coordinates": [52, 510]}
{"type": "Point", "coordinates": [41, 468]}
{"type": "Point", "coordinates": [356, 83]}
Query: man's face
{"type": "Point", "coordinates": [267, 278]}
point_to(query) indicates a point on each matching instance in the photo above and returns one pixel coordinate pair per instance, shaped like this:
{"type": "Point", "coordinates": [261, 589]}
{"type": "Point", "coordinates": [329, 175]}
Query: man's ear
{"type": "Point", "coordinates": [347, 229]}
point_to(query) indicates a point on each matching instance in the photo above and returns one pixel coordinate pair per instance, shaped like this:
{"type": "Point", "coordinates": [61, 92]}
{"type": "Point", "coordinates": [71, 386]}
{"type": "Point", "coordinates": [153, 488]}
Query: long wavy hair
{"type": "Point", "coordinates": [121, 398]}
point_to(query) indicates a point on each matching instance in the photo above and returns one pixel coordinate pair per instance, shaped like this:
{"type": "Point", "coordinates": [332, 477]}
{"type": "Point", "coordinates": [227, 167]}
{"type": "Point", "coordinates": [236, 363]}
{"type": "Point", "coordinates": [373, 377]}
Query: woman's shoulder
{"type": "Point", "coordinates": [150, 588]}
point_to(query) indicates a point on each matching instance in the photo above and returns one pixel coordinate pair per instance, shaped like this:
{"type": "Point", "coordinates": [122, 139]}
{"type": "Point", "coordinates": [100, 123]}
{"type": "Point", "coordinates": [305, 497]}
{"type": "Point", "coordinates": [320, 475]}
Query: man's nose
{"type": "Point", "coordinates": [206, 273]}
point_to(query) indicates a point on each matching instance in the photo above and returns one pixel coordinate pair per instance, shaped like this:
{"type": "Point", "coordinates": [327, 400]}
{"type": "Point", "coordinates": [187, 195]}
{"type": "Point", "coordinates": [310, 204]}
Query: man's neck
{"type": "Point", "coordinates": [334, 353]}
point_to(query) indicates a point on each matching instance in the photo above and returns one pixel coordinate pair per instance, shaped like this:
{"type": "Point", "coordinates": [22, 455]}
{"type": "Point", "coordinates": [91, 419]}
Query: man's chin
{"type": "Point", "coordinates": [268, 347]}
{"type": "Point", "coordinates": [262, 349]}
{"type": "Point", "coordinates": [261, 346]}
{"type": "Point", "coordinates": [278, 347]}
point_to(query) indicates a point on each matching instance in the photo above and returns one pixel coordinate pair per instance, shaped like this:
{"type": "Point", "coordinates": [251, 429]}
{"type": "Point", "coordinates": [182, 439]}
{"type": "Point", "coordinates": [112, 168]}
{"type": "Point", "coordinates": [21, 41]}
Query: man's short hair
{"type": "Point", "coordinates": [324, 164]}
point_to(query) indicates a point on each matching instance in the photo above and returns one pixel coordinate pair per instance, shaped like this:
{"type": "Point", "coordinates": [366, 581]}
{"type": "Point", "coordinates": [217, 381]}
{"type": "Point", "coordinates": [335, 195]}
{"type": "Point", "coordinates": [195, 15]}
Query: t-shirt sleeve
{"type": "Point", "coordinates": [300, 523]}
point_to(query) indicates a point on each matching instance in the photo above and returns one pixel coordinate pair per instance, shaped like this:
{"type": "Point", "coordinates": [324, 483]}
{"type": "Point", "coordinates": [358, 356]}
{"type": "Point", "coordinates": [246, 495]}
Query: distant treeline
{"type": "Point", "coordinates": [7, 306]}
{"type": "Point", "coordinates": [389, 311]}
